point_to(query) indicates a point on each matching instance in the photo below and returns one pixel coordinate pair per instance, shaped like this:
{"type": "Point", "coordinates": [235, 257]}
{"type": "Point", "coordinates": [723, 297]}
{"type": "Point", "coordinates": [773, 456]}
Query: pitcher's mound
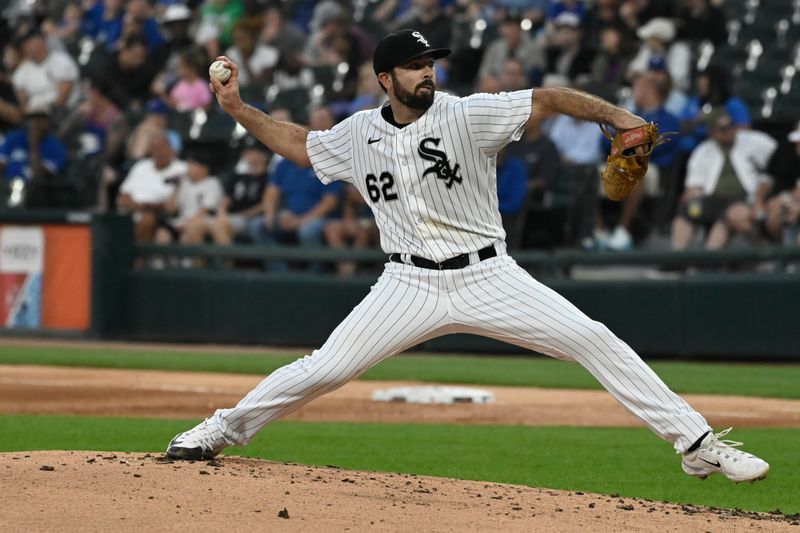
{"type": "Point", "coordinates": [105, 491]}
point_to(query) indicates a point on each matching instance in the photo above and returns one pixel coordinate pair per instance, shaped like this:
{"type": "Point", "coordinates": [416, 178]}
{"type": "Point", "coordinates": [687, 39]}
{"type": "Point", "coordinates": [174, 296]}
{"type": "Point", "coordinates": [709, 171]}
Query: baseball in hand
{"type": "Point", "coordinates": [217, 70]}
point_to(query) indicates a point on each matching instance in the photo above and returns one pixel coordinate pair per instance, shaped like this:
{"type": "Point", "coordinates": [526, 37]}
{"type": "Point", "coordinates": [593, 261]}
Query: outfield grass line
{"type": "Point", "coordinates": [762, 380]}
{"type": "Point", "coordinates": [191, 348]}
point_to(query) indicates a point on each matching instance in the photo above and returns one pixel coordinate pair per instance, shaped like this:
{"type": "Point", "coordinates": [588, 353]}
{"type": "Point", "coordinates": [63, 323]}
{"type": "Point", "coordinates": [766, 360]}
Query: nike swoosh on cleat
{"type": "Point", "coordinates": [712, 464]}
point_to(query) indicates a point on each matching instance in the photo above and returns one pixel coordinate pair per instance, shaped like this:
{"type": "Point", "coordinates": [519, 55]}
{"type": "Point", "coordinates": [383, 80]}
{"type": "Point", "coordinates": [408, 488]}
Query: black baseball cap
{"type": "Point", "coordinates": [402, 46]}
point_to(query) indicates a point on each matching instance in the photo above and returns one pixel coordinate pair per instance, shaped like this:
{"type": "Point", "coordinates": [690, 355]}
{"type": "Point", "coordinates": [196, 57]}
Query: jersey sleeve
{"type": "Point", "coordinates": [498, 119]}
{"type": "Point", "coordinates": [330, 152]}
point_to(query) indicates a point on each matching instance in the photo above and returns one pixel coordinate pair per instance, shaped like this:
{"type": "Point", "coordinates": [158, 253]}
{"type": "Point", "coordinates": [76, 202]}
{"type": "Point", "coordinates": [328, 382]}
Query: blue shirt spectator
{"type": "Point", "coordinates": [664, 155]}
{"type": "Point", "coordinates": [15, 154]}
{"type": "Point", "coordinates": [713, 90]}
{"type": "Point", "coordinates": [108, 30]}
{"type": "Point", "coordinates": [511, 184]}
{"type": "Point", "coordinates": [300, 188]}
{"type": "Point", "coordinates": [737, 109]}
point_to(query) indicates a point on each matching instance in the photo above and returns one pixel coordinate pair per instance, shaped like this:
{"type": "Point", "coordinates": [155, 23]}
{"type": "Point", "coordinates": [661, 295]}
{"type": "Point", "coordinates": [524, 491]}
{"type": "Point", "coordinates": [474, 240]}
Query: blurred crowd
{"type": "Point", "coordinates": [105, 106]}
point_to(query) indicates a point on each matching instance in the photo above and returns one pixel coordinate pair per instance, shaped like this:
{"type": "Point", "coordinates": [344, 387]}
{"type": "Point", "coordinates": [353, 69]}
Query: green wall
{"type": "Point", "coordinates": [733, 315]}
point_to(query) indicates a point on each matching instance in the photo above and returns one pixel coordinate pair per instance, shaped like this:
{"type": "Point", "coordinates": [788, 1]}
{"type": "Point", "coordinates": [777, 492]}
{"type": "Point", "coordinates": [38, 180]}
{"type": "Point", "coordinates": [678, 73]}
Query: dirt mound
{"type": "Point", "coordinates": [102, 491]}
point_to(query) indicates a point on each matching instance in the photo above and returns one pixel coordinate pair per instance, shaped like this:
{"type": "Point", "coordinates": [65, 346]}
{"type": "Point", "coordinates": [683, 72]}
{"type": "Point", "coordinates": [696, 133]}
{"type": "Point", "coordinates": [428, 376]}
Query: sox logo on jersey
{"type": "Point", "coordinates": [441, 167]}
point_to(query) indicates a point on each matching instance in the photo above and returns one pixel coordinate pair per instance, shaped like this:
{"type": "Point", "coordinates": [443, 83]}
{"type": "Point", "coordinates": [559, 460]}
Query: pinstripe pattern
{"type": "Point", "coordinates": [494, 298]}
{"type": "Point", "coordinates": [419, 214]}
{"type": "Point", "coordinates": [405, 307]}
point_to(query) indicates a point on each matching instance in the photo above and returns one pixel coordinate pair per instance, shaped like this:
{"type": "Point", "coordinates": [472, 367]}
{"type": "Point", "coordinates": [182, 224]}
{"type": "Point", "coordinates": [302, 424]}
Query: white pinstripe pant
{"type": "Point", "coordinates": [494, 298]}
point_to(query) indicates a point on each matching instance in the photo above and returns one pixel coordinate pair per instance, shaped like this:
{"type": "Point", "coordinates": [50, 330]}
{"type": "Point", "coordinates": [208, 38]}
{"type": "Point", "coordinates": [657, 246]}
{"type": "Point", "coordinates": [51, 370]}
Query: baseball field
{"type": "Point", "coordinates": [83, 429]}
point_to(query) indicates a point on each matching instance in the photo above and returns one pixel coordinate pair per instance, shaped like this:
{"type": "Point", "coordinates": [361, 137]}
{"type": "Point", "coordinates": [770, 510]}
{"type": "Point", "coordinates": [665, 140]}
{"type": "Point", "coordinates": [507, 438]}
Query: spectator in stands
{"type": "Point", "coordinates": [45, 78]}
{"type": "Point", "coordinates": [138, 21]}
{"type": "Point", "coordinates": [32, 157]}
{"type": "Point", "coordinates": [328, 24]}
{"type": "Point", "coordinates": [512, 194]}
{"type": "Point", "coordinates": [677, 99]}
{"type": "Point", "coordinates": [783, 209]}
{"type": "Point", "coordinates": [601, 15]}
{"type": "Point", "coordinates": [296, 204]}
{"type": "Point", "coordinates": [217, 18]}
{"type": "Point", "coordinates": [97, 122]}
{"type": "Point", "coordinates": [243, 192]}
{"type": "Point", "coordinates": [67, 30]}
{"type": "Point", "coordinates": [567, 53]}
{"type": "Point", "coordinates": [513, 76]}
{"type": "Point", "coordinates": [291, 72]}
{"type": "Point", "coordinates": [278, 32]}
{"type": "Point", "coordinates": [175, 26]}
{"type": "Point", "coordinates": [700, 20]}
{"type": "Point", "coordinates": [428, 17]}
{"type": "Point", "coordinates": [713, 90]}
{"type": "Point", "coordinates": [659, 42]}
{"type": "Point", "coordinates": [129, 72]}
{"type": "Point", "coordinates": [513, 43]}
{"type": "Point", "coordinates": [196, 199]}
{"type": "Point", "coordinates": [540, 157]}
{"type": "Point", "coordinates": [610, 64]}
{"type": "Point", "coordinates": [155, 120]}
{"type": "Point", "coordinates": [649, 96]}
{"type": "Point", "coordinates": [356, 227]}
{"type": "Point", "coordinates": [191, 91]}
{"type": "Point", "coordinates": [335, 41]}
{"type": "Point", "coordinates": [257, 60]}
{"type": "Point", "coordinates": [150, 185]}
{"type": "Point", "coordinates": [103, 21]}
{"type": "Point", "coordinates": [725, 184]}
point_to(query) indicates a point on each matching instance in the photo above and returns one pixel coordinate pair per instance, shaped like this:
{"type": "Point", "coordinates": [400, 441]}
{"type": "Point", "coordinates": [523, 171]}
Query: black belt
{"type": "Point", "coordinates": [459, 261]}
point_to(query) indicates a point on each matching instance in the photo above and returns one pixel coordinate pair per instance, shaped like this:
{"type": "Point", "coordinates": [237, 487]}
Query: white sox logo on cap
{"type": "Point", "coordinates": [421, 39]}
{"type": "Point", "coordinates": [402, 46]}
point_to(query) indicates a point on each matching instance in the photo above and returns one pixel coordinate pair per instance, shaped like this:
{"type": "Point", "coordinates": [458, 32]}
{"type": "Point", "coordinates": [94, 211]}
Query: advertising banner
{"type": "Point", "coordinates": [21, 269]}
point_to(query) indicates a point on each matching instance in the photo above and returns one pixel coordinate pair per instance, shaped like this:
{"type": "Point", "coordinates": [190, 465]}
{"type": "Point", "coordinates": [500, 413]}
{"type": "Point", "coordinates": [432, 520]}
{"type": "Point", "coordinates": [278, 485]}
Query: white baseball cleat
{"type": "Point", "coordinates": [204, 441]}
{"type": "Point", "coordinates": [715, 455]}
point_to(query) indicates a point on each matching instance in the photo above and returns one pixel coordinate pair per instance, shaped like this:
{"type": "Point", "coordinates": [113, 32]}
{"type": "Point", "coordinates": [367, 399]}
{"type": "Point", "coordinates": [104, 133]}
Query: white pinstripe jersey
{"type": "Point", "coordinates": [432, 184]}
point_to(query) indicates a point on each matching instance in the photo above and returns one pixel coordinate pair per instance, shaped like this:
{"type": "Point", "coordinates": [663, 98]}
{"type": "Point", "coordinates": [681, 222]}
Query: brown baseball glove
{"type": "Point", "coordinates": [627, 163]}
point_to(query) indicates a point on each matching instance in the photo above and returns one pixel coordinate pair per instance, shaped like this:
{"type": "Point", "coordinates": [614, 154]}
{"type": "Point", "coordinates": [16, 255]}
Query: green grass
{"type": "Point", "coordinates": [630, 462]}
{"type": "Point", "coordinates": [777, 381]}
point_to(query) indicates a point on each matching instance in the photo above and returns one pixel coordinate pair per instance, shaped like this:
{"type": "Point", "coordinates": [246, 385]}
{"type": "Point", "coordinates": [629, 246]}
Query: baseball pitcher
{"type": "Point", "coordinates": [425, 163]}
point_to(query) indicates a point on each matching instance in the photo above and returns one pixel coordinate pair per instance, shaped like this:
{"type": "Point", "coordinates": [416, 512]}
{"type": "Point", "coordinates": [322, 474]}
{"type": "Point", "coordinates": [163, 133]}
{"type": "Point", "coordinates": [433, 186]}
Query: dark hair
{"type": "Point", "coordinates": [134, 40]}
{"type": "Point", "coordinates": [193, 60]}
{"type": "Point", "coordinates": [719, 85]}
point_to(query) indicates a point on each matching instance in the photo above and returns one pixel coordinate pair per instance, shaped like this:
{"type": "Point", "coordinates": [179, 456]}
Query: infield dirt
{"type": "Point", "coordinates": [150, 393]}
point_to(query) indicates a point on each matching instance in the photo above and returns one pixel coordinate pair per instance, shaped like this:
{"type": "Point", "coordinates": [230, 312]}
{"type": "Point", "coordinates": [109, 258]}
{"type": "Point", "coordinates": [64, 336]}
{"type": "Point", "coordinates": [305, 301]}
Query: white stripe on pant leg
{"type": "Point", "coordinates": [508, 304]}
{"type": "Point", "coordinates": [401, 310]}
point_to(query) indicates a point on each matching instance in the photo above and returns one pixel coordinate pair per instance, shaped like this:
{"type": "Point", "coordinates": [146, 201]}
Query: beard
{"type": "Point", "coordinates": [420, 101]}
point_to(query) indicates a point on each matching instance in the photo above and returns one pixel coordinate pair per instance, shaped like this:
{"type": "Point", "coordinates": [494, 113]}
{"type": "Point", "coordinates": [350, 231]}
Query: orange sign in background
{"type": "Point", "coordinates": [67, 285]}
